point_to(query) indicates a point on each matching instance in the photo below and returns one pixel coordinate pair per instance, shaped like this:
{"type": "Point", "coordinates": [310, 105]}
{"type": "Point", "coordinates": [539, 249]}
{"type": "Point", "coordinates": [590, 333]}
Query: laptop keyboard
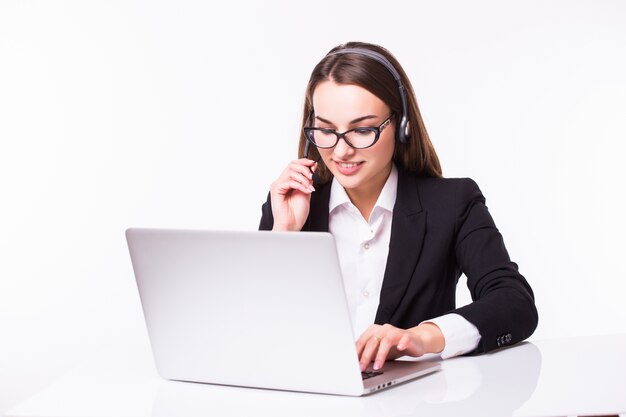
{"type": "Point", "coordinates": [370, 374]}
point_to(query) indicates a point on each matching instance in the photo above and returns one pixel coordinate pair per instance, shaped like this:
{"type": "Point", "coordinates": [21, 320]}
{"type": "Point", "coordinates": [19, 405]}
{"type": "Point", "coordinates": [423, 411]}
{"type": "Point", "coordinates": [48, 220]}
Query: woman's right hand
{"type": "Point", "coordinates": [291, 195]}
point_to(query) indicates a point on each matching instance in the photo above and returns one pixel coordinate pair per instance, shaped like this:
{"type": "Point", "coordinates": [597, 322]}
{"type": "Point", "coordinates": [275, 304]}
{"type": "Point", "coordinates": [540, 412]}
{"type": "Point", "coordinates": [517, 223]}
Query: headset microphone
{"type": "Point", "coordinates": [307, 147]}
{"type": "Point", "coordinates": [307, 144]}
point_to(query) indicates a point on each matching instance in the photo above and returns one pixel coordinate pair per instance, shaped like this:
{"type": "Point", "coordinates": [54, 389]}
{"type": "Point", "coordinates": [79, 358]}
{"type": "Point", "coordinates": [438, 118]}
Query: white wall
{"type": "Point", "coordinates": [136, 113]}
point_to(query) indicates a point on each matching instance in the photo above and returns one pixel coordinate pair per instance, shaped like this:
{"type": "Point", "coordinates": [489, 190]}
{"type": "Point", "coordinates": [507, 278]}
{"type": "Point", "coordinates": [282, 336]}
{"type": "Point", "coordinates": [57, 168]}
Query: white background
{"type": "Point", "coordinates": [181, 113]}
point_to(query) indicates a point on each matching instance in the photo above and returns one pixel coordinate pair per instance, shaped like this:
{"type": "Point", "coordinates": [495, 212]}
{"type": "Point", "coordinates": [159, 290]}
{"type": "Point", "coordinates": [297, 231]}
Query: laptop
{"type": "Point", "coordinates": [253, 309]}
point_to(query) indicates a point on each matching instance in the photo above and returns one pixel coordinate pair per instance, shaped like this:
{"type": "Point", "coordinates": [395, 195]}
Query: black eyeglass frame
{"type": "Point", "coordinates": [377, 130]}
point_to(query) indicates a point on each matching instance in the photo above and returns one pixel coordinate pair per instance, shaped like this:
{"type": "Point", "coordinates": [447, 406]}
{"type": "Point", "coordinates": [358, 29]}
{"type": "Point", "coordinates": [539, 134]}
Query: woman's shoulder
{"type": "Point", "coordinates": [443, 182]}
{"type": "Point", "coordinates": [448, 185]}
{"type": "Point", "coordinates": [446, 191]}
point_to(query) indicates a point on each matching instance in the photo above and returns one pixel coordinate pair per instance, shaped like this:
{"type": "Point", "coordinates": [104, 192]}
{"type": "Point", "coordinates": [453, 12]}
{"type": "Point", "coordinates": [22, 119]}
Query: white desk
{"type": "Point", "coordinates": [543, 378]}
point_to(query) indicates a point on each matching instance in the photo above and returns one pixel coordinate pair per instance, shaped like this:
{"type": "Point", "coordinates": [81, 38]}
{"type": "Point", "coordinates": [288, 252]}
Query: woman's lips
{"type": "Point", "coordinates": [348, 168]}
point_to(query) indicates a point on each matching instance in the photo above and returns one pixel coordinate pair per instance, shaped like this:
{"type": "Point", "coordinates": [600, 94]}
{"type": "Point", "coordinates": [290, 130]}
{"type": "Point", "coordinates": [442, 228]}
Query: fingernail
{"type": "Point", "coordinates": [311, 188]}
{"type": "Point", "coordinates": [376, 365]}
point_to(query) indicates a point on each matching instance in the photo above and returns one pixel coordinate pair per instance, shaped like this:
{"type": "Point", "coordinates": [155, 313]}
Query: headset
{"type": "Point", "coordinates": [403, 131]}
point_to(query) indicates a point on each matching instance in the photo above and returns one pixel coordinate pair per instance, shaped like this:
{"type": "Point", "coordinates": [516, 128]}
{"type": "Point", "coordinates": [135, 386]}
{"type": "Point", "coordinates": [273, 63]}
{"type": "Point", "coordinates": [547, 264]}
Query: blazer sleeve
{"type": "Point", "coordinates": [267, 219]}
{"type": "Point", "coordinates": [503, 307]}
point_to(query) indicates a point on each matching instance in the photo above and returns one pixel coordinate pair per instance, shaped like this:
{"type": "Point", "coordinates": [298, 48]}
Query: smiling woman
{"type": "Point", "coordinates": [368, 173]}
{"type": "Point", "coordinates": [362, 172]}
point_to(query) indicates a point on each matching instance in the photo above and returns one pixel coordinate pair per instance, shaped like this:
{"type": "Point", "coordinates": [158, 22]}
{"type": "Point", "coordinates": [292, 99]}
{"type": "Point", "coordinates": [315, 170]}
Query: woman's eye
{"type": "Point", "coordinates": [325, 132]}
{"type": "Point", "coordinates": [362, 131]}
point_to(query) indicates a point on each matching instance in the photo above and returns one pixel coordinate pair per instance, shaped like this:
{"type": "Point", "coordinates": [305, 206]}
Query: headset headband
{"type": "Point", "coordinates": [402, 131]}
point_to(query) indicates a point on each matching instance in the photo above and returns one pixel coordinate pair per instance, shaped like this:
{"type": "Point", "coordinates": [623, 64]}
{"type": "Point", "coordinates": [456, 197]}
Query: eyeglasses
{"type": "Point", "coordinates": [358, 138]}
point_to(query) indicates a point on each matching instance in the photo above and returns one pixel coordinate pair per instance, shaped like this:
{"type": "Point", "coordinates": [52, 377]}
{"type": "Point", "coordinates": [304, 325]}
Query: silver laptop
{"type": "Point", "coordinates": [254, 309]}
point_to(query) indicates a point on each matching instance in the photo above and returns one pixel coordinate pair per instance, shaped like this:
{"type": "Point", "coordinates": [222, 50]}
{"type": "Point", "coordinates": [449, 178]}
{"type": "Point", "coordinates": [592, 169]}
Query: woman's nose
{"type": "Point", "coordinates": [342, 150]}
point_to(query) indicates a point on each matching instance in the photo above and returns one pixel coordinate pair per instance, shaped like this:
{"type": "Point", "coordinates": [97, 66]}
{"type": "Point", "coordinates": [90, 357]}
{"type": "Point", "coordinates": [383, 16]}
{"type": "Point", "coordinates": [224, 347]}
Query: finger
{"type": "Point", "coordinates": [299, 186]}
{"type": "Point", "coordinates": [292, 185]}
{"type": "Point", "coordinates": [302, 167]}
{"type": "Point", "coordinates": [285, 183]}
{"type": "Point", "coordinates": [368, 353]}
{"type": "Point", "coordinates": [383, 350]}
{"type": "Point", "coordinates": [301, 178]}
{"type": "Point", "coordinates": [365, 337]}
{"type": "Point", "coordinates": [361, 342]}
{"type": "Point", "coordinates": [404, 342]}
{"type": "Point", "coordinates": [306, 161]}
{"type": "Point", "coordinates": [414, 346]}
{"type": "Point", "coordinates": [360, 345]}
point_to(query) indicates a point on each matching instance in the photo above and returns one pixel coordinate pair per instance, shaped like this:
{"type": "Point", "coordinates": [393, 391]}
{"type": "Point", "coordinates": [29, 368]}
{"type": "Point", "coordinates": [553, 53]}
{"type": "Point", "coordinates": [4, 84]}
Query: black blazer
{"type": "Point", "coordinates": [441, 228]}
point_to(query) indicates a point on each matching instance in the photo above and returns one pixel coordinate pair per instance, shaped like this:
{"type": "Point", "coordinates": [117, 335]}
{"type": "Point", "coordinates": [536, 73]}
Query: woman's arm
{"type": "Point", "coordinates": [503, 307]}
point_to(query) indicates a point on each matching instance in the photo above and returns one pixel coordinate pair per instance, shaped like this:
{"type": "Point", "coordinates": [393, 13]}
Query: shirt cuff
{"type": "Point", "coordinates": [460, 335]}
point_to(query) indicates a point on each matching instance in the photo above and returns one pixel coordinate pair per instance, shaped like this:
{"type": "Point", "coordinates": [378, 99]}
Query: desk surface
{"type": "Point", "coordinates": [540, 378]}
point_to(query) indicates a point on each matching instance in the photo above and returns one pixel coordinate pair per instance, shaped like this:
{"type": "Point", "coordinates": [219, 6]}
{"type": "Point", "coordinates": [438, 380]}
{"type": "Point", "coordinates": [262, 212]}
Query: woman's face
{"type": "Point", "coordinates": [343, 107]}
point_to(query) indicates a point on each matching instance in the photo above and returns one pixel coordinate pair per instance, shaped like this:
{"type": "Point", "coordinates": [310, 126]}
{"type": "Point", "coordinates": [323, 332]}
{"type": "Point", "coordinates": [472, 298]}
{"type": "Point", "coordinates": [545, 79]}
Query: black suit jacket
{"type": "Point", "coordinates": [440, 229]}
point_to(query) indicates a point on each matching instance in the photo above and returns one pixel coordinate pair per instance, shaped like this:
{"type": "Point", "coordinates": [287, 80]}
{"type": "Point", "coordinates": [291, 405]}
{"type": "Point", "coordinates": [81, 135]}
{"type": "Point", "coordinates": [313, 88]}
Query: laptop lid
{"type": "Point", "coordinates": [257, 309]}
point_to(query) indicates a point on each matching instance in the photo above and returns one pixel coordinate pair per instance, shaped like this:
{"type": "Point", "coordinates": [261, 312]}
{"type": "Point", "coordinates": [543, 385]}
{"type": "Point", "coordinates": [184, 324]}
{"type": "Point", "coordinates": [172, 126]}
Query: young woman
{"type": "Point", "coordinates": [368, 173]}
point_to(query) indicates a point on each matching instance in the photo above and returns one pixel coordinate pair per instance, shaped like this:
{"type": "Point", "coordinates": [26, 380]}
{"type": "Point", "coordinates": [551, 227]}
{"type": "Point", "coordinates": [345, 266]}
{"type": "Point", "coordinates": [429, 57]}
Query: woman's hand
{"type": "Point", "coordinates": [380, 343]}
{"type": "Point", "coordinates": [291, 195]}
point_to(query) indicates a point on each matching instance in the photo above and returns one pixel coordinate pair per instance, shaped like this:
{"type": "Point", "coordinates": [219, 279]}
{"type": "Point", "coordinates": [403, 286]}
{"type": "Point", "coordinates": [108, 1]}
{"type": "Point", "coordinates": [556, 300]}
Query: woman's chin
{"type": "Point", "coordinates": [349, 182]}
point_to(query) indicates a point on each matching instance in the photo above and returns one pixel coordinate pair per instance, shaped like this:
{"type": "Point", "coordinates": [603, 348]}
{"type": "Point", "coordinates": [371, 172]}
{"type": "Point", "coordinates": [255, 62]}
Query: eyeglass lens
{"type": "Point", "coordinates": [358, 138]}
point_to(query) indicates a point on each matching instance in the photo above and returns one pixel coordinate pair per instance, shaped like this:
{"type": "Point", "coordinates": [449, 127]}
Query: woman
{"type": "Point", "coordinates": [368, 174]}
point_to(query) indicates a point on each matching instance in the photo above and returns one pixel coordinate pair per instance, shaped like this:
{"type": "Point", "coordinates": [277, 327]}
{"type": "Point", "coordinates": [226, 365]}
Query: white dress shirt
{"type": "Point", "coordinates": [363, 246]}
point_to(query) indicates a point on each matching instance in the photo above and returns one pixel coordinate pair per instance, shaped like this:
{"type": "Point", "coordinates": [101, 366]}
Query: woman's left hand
{"type": "Point", "coordinates": [380, 343]}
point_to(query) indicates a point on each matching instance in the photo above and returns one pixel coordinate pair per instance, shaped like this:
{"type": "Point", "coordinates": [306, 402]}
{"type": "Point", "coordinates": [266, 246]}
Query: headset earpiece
{"type": "Point", "coordinates": [403, 132]}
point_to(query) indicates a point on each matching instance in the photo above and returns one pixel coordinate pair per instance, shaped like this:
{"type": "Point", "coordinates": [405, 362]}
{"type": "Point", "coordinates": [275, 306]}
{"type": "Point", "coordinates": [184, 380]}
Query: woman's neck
{"type": "Point", "coordinates": [365, 197]}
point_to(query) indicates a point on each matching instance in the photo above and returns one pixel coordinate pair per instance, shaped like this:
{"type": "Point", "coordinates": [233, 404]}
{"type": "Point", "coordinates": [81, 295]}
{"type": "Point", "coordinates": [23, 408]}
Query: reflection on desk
{"type": "Point", "coordinates": [435, 395]}
{"type": "Point", "coordinates": [543, 378]}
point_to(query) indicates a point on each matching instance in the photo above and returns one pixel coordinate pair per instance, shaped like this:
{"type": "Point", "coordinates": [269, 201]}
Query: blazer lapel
{"type": "Point", "coordinates": [408, 228]}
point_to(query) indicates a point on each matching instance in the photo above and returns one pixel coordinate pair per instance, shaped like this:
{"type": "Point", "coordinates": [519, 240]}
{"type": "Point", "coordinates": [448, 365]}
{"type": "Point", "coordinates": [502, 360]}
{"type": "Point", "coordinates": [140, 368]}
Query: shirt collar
{"type": "Point", "coordinates": [386, 199]}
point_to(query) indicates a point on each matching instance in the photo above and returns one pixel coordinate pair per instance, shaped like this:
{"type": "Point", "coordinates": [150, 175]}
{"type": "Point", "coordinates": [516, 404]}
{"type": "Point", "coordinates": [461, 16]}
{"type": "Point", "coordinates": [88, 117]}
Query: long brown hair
{"type": "Point", "coordinates": [418, 154]}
